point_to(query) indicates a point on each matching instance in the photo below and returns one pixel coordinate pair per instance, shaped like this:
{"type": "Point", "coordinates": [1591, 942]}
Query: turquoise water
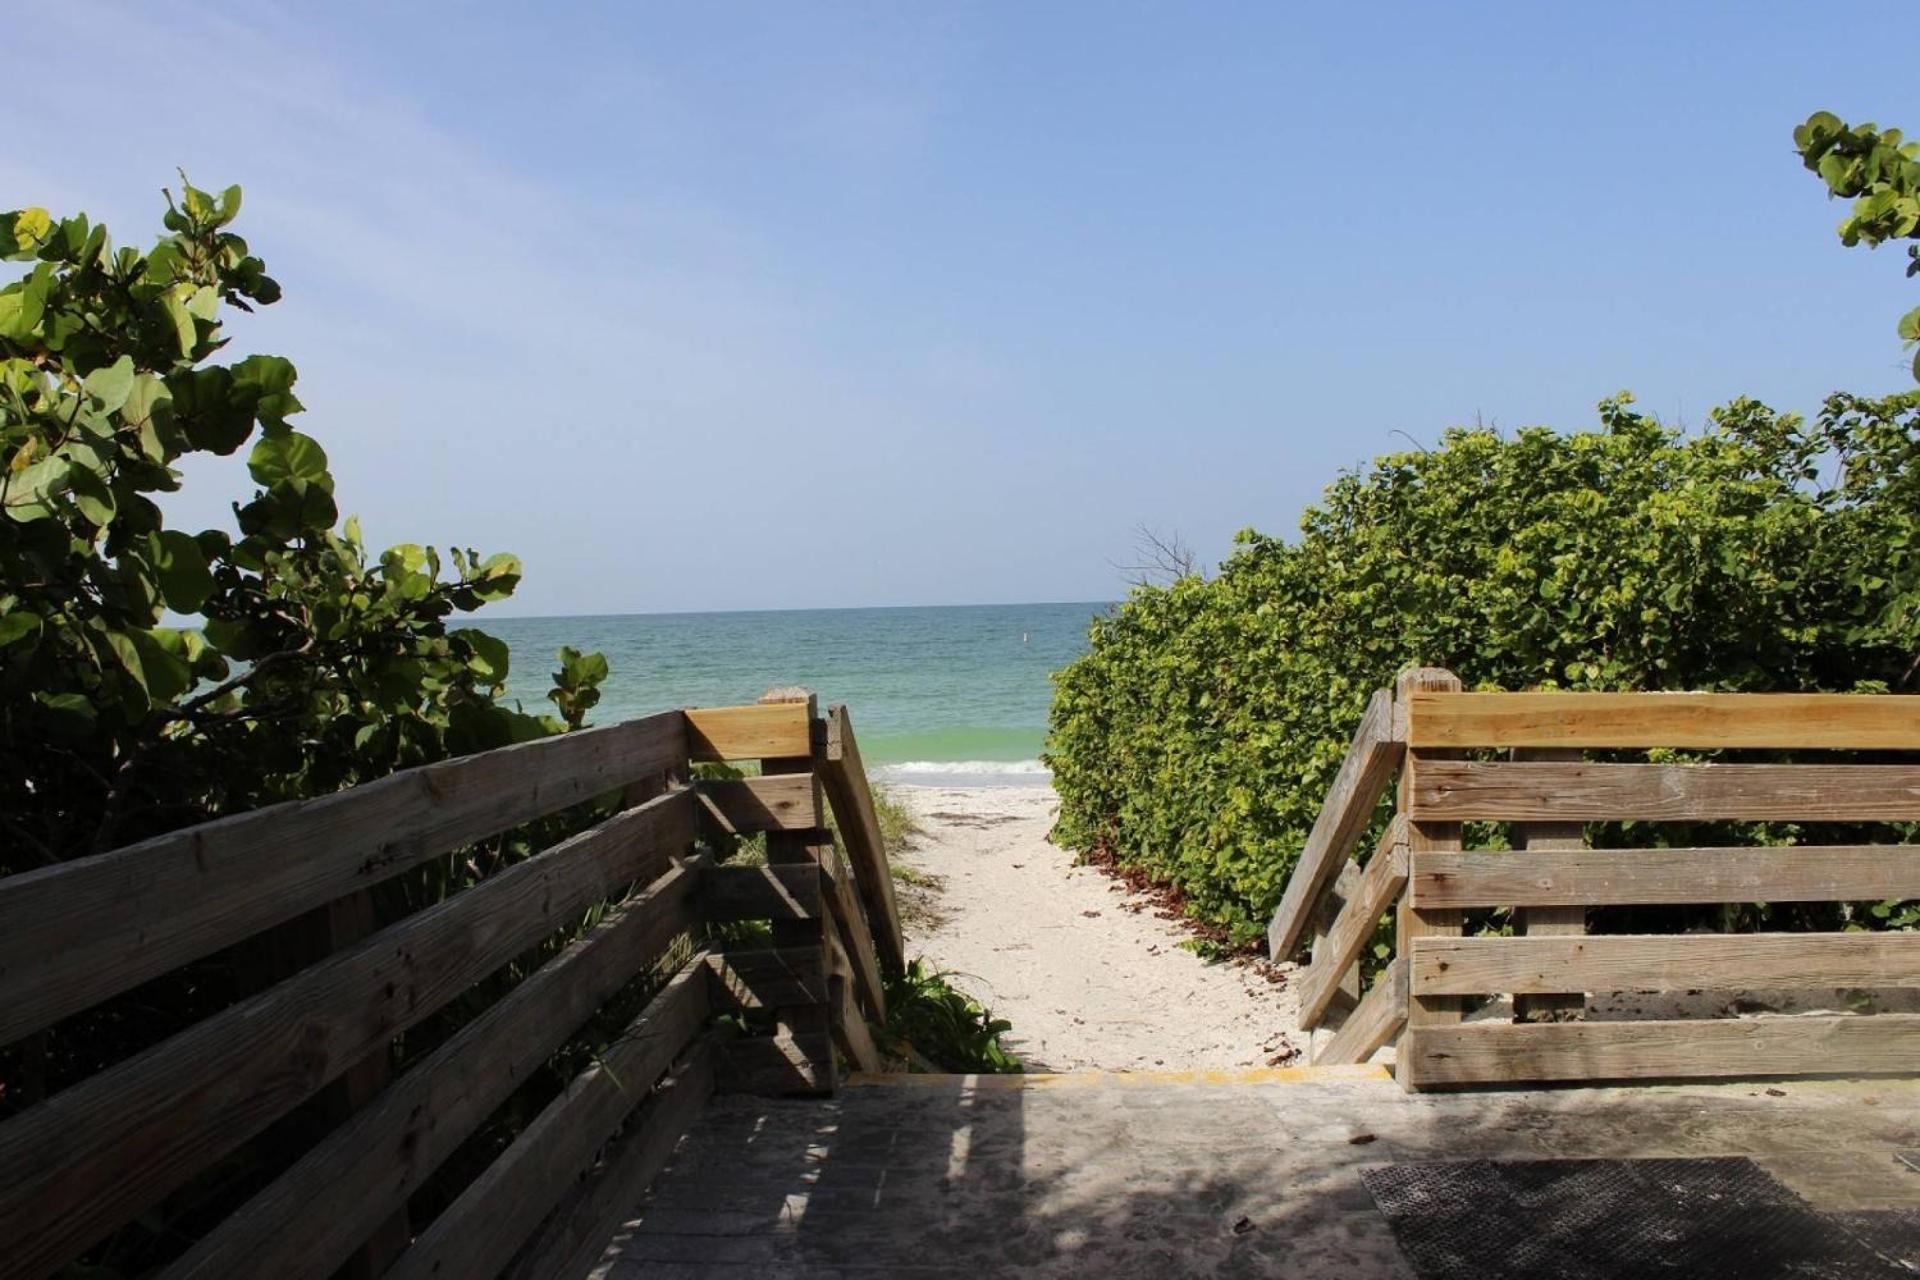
{"type": "Point", "coordinates": [959, 690]}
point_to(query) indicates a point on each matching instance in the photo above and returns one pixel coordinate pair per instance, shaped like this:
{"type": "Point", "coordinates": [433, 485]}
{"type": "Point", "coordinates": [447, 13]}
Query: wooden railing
{"type": "Point", "coordinates": [1545, 791]}
{"type": "Point", "coordinates": [98, 1153]}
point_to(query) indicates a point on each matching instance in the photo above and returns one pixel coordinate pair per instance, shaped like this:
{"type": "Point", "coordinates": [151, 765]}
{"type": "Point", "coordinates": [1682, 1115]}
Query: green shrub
{"type": "Point", "coordinates": [932, 1025]}
{"type": "Point", "coordinates": [1197, 738]}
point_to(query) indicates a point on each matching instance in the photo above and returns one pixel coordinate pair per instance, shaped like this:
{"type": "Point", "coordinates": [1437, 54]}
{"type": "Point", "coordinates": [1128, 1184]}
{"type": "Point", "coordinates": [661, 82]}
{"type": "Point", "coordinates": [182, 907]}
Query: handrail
{"type": "Point", "coordinates": [1545, 791]}
{"type": "Point", "coordinates": [101, 1151]}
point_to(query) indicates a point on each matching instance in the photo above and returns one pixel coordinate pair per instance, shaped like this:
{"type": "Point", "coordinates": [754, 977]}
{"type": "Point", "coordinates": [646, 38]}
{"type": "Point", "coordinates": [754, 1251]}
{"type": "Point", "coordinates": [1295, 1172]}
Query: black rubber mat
{"type": "Point", "coordinates": [1621, 1220]}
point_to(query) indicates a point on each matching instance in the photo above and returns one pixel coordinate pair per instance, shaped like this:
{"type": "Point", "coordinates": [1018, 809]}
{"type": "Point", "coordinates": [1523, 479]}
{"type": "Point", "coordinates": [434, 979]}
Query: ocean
{"type": "Point", "coordinates": [937, 694]}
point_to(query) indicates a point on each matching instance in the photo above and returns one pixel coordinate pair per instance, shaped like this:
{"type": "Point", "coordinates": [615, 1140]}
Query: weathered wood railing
{"type": "Point", "coordinates": [94, 1155]}
{"type": "Point", "coordinates": [1546, 791]}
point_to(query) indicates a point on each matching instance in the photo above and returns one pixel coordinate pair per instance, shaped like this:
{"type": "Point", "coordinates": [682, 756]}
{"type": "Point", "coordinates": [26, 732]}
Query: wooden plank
{"type": "Point", "coordinates": [1549, 921]}
{"type": "Point", "coordinates": [1815, 721]}
{"type": "Point", "coordinates": [1665, 962]}
{"type": "Point", "coordinates": [756, 732]}
{"type": "Point", "coordinates": [94, 1155]}
{"type": "Point", "coordinates": [1379, 886]}
{"type": "Point", "coordinates": [575, 1235]}
{"type": "Point", "coordinates": [852, 798]}
{"type": "Point", "coordinates": [805, 1025]}
{"type": "Point", "coordinates": [1736, 1048]}
{"type": "Point", "coordinates": [789, 892]}
{"type": "Point", "coordinates": [1423, 838]}
{"type": "Point", "coordinates": [74, 934]}
{"type": "Point", "coordinates": [313, 937]}
{"type": "Point", "coordinates": [312, 1216]}
{"type": "Point", "coordinates": [1345, 992]}
{"type": "Point", "coordinates": [1471, 791]}
{"type": "Point", "coordinates": [849, 1024]}
{"type": "Point", "coordinates": [849, 928]}
{"type": "Point", "coordinates": [1348, 808]}
{"type": "Point", "coordinates": [1634, 877]}
{"type": "Point", "coordinates": [1380, 1015]}
{"type": "Point", "coordinates": [786, 1063]}
{"type": "Point", "coordinates": [478, 1234]}
{"type": "Point", "coordinates": [769, 978]}
{"type": "Point", "coordinates": [777, 802]}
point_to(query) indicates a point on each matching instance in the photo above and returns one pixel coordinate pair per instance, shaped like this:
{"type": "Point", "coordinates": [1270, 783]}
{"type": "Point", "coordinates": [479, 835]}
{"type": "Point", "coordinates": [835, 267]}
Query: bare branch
{"type": "Point", "coordinates": [1164, 559]}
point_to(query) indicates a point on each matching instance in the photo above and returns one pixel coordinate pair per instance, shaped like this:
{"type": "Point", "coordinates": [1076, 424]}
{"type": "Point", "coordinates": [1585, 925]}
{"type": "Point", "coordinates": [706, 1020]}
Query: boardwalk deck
{"type": "Point", "coordinates": [1140, 1175]}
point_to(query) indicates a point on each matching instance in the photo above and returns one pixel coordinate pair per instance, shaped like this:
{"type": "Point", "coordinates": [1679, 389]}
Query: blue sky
{"type": "Point", "coordinates": [761, 306]}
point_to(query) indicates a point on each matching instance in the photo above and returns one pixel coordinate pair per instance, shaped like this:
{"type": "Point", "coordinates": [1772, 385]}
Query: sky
{"type": "Point", "coordinates": [743, 306]}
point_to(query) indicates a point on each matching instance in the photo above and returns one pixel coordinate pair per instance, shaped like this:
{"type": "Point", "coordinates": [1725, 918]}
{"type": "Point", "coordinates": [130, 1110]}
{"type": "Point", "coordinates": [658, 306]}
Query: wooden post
{"type": "Point", "coordinates": [1424, 837]}
{"type": "Point", "coordinates": [807, 1028]}
{"type": "Point", "coordinates": [1539, 921]}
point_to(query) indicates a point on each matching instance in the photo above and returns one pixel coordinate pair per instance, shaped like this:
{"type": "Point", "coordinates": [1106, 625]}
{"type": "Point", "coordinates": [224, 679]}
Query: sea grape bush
{"type": "Point", "coordinates": [1879, 170]}
{"type": "Point", "coordinates": [1197, 738]}
{"type": "Point", "coordinates": [152, 676]}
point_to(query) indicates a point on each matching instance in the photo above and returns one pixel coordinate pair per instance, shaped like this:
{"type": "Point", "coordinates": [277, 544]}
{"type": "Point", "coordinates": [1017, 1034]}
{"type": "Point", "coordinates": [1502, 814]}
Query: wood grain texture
{"type": "Point", "coordinates": [74, 934]}
{"type": "Point", "coordinates": [1535, 838]}
{"type": "Point", "coordinates": [1345, 993]}
{"type": "Point", "coordinates": [1726, 1048]}
{"type": "Point", "coordinates": [848, 927]}
{"type": "Point", "coordinates": [777, 802]}
{"type": "Point", "coordinates": [478, 1234]}
{"type": "Point", "coordinates": [1425, 837]}
{"type": "Point", "coordinates": [302, 1225]}
{"type": "Point", "coordinates": [572, 1238]}
{"type": "Point", "coordinates": [768, 978]}
{"type": "Point", "coordinates": [1344, 815]}
{"type": "Point", "coordinates": [806, 1025]}
{"type": "Point", "coordinates": [760, 731]}
{"type": "Point", "coordinates": [785, 1064]}
{"type": "Point", "coordinates": [94, 1155]}
{"type": "Point", "coordinates": [845, 776]}
{"type": "Point", "coordinates": [1678, 962]}
{"type": "Point", "coordinates": [1815, 721]}
{"type": "Point", "coordinates": [1379, 886]}
{"type": "Point", "coordinates": [850, 1029]}
{"type": "Point", "coordinates": [1380, 1016]}
{"type": "Point", "coordinates": [789, 892]}
{"type": "Point", "coordinates": [1634, 877]}
{"type": "Point", "coordinates": [1470, 791]}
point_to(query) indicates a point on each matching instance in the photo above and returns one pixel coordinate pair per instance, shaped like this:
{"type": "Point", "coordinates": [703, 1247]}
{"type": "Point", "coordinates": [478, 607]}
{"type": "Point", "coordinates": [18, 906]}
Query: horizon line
{"type": "Point", "coordinates": [482, 615]}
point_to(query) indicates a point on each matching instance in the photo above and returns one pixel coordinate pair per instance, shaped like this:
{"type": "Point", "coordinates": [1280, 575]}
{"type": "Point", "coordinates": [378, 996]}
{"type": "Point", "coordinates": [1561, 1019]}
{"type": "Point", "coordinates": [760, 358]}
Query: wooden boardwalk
{"type": "Point", "coordinates": [1247, 1174]}
{"type": "Point", "coordinates": [733, 1000]}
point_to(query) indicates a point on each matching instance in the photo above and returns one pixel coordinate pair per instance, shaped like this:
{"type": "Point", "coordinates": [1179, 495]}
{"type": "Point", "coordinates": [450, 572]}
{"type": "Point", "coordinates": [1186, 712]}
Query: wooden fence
{"type": "Point", "coordinates": [94, 1155]}
{"type": "Point", "coordinates": [1441, 745]}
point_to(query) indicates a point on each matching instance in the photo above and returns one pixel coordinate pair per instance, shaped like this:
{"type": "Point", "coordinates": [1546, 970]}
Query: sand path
{"type": "Point", "coordinates": [1087, 973]}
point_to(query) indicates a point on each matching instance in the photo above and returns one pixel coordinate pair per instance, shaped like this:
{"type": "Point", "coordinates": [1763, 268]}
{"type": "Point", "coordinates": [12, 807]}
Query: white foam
{"type": "Point", "coordinates": [971, 768]}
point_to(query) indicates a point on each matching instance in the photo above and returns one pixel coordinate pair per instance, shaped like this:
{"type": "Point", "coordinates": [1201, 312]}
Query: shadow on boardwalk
{"type": "Point", "coordinates": [1106, 1175]}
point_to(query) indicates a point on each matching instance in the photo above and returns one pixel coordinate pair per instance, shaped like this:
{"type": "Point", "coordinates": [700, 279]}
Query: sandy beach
{"type": "Point", "coordinates": [1089, 974]}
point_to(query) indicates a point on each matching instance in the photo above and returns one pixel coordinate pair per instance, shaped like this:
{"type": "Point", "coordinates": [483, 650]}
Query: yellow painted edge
{"type": "Point", "coordinates": [1326, 1074]}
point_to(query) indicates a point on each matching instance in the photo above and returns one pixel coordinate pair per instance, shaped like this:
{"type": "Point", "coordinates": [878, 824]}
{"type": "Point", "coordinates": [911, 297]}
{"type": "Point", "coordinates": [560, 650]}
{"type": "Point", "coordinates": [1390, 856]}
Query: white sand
{"type": "Point", "coordinates": [1085, 971]}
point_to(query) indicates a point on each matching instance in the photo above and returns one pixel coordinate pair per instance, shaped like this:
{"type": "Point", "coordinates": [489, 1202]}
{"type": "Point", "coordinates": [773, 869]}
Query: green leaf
{"type": "Point", "coordinates": [15, 627]}
{"type": "Point", "coordinates": [183, 331]}
{"type": "Point", "coordinates": [23, 305]}
{"type": "Point", "coordinates": [1910, 326]}
{"type": "Point", "coordinates": [92, 495]}
{"type": "Point", "coordinates": [73, 715]}
{"type": "Point", "coordinates": [29, 489]}
{"type": "Point", "coordinates": [163, 661]}
{"type": "Point", "coordinates": [268, 382]}
{"type": "Point", "coordinates": [181, 567]}
{"type": "Point", "coordinates": [290, 456]}
{"type": "Point", "coordinates": [111, 386]}
{"type": "Point", "coordinates": [490, 656]}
